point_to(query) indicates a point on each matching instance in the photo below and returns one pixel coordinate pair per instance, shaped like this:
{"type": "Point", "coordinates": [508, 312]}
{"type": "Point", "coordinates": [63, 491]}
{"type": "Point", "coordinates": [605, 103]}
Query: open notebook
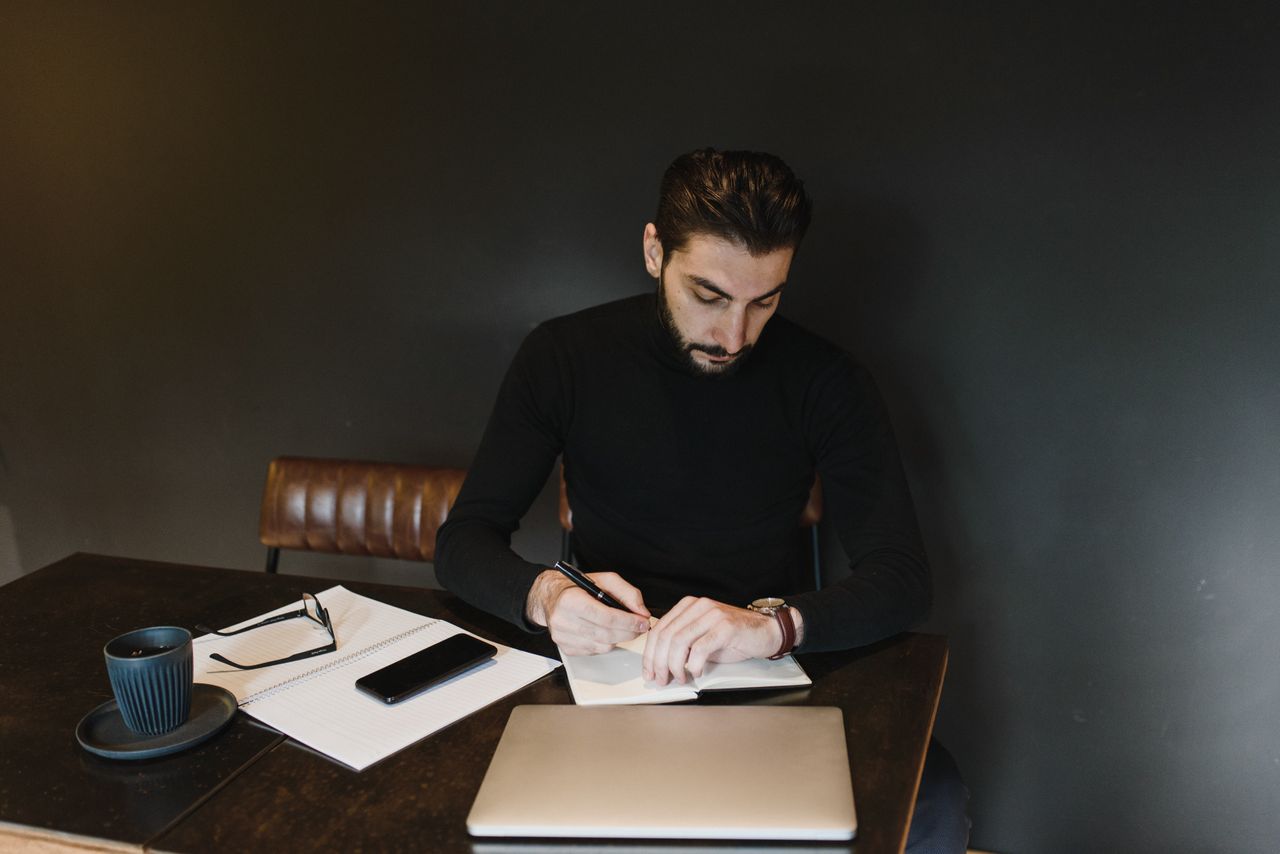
{"type": "Point", "coordinates": [614, 678]}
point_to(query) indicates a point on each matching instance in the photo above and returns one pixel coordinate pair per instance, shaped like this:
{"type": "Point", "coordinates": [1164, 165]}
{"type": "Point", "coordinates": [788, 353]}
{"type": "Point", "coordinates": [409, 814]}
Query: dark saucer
{"type": "Point", "coordinates": [103, 732]}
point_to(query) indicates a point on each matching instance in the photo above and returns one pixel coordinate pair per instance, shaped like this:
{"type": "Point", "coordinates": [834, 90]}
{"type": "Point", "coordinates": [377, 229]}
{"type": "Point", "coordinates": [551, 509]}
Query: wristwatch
{"type": "Point", "coordinates": [781, 611]}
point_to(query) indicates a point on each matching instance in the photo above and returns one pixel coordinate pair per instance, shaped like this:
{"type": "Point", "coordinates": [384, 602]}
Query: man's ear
{"type": "Point", "coordinates": [652, 250]}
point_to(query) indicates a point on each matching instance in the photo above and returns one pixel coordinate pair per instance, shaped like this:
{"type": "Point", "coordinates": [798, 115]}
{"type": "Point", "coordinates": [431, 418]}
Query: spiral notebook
{"type": "Point", "coordinates": [315, 701]}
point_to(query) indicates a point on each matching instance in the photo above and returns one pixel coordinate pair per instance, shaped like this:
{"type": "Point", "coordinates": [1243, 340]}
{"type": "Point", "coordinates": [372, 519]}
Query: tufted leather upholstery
{"type": "Point", "coordinates": [357, 508]}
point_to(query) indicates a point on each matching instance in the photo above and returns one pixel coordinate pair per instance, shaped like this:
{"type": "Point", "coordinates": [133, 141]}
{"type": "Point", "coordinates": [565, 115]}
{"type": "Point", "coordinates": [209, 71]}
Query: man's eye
{"type": "Point", "coordinates": [768, 303]}
{"type": "Point", "coordinates": [711, 300]}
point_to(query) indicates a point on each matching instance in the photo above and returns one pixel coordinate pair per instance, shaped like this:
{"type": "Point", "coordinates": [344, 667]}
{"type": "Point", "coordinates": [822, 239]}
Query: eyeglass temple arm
{"type": "Point", "coordinates": [332, 647]}
{"type": "Point", "coordinates": [301, 612]}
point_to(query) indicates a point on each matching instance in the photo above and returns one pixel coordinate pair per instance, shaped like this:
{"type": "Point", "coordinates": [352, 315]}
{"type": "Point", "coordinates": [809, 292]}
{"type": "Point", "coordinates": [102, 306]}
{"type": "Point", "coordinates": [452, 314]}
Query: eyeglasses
{"type": "Point", "coordinates": [311, 609]}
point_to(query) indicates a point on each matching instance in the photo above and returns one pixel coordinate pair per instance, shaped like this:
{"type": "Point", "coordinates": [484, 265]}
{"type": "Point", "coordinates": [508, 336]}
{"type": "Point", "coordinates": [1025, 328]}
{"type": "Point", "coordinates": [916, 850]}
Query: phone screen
{"type": "Point", "coordinates": [431, 666]}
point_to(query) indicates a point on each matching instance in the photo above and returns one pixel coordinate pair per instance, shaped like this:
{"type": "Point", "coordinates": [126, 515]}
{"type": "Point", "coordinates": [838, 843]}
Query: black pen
{"type": "Point", "coordinates": [579, 578]}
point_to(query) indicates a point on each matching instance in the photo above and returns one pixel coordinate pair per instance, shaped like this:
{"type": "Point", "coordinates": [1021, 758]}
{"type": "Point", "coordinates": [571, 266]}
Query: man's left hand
{"type": "Point", "coordinates": [698, 630]}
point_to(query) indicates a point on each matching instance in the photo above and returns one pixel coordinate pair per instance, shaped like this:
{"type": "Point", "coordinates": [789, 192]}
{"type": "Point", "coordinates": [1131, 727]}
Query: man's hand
{"type": "Point", "coordinates": [578, 623]}
{"type": "Point", "coordinates": [698, 630]}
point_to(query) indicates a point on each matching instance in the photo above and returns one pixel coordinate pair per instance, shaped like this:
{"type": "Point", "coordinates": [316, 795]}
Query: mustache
{"type": "Point", "coordinates": [716, 350]}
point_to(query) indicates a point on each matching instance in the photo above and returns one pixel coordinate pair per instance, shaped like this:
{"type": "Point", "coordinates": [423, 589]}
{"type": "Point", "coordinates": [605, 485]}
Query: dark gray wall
{"type": "Point", "coordinates": [229, 233]}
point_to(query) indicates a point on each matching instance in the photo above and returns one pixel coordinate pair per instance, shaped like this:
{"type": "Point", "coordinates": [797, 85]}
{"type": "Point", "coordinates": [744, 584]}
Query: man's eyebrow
{"type": "Point", "coordinates": [711, 286]}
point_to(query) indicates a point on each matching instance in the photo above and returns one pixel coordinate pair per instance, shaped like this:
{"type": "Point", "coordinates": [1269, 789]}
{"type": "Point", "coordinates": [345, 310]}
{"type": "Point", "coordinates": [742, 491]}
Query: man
{"type": "Point", "coordinates": [691, 423]}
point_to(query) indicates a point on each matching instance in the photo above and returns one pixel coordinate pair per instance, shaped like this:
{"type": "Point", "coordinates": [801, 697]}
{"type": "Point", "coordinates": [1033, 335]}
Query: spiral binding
{"type": "Point", "coordinates": [335, 664]}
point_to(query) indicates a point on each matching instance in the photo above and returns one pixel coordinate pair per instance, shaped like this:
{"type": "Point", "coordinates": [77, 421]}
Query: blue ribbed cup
{"type": "Point", "coordinates": [150, 673]}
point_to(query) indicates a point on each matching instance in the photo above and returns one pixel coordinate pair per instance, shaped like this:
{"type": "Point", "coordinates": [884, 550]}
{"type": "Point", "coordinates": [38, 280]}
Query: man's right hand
{"type": "Point", "coordinates": [578, 623]}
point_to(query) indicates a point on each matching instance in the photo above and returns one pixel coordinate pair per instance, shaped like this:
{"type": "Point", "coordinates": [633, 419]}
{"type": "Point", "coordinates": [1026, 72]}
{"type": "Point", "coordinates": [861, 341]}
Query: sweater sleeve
{"type": "Point", "coordinates": [520, 444]}
{"type": "Point", "coordinates": [866, 498]}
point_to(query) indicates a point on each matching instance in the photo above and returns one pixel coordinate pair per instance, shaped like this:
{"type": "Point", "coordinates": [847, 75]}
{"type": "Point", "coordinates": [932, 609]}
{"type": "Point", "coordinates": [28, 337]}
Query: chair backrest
{"type": "Point", "coordinates": [810, 516]}
{"type": "Point", "coordinates": [356, 508]}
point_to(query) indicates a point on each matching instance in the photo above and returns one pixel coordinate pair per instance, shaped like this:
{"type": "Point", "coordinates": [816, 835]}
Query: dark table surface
{"type": "Point", "coordinates": [250, 788]}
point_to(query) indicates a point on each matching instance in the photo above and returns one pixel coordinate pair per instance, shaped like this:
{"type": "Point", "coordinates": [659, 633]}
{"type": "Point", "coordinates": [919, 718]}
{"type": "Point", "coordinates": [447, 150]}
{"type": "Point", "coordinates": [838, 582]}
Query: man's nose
{"type": "Point", "coordinates": [733, 332]}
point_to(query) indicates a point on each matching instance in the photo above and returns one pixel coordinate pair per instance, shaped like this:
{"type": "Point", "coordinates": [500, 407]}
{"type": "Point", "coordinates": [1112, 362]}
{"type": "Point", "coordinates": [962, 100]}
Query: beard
{"type": "Point", "coordinates": [684, 349]}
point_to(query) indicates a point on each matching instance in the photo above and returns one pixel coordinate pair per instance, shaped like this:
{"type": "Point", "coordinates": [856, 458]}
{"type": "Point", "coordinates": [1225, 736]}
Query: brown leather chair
{"type": "Point", "coordinates": [355, 508]}
{"type": "Point", "coordinates": [810, 516]}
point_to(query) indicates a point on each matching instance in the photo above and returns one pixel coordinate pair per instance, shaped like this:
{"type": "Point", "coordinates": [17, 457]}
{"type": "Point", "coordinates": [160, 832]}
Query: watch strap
{"type": "Point", "coordinates": [788, 625]}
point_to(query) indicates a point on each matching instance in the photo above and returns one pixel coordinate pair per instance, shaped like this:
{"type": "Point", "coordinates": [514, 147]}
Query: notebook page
{"type": "Point", "coordinates": [360, 624]}
{"type": "Point", "coordinates": [614, 677]}
{"type": "Point", "coordinates": [753, 673]}
{"type": "Point", "coordinates": [315, 701]}
{"type": "Point", "coordinates": [332, 716]}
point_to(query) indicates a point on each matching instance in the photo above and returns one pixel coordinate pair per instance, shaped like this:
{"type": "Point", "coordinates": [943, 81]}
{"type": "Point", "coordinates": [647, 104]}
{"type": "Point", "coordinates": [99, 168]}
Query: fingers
{"type": "Point", "coordinates": [714, 635]}
{"type": "Point", "coordinates": [668, 647]}
{"type": "Point", "coordinates": [697, 630]}
{"type": "Point", "coordinates": [616, 586]}
{"type": "Point", "coordinates": [583, 648]}
{"type": "Point", "coordinates": [580, 625]}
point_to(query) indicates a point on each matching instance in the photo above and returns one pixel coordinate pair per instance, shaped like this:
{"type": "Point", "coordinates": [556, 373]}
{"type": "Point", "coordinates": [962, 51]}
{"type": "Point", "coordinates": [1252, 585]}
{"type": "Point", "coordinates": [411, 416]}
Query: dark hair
{"type": "Point", "coordinates": [748, 197]}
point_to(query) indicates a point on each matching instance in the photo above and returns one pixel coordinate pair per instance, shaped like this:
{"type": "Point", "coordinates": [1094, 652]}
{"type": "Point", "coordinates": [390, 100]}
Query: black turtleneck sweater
{"type": "Point", "coordinates": [692, 485]}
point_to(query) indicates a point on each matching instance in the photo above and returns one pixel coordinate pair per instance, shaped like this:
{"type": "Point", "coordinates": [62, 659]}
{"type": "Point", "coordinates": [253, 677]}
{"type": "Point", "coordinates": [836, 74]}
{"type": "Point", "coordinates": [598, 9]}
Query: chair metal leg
{"type": "Point", "coordinates": [273, 559]}
{"type": "Point", "coordinates": [566, 545]}
{"type": "Point", "coordinates": [817, 557]}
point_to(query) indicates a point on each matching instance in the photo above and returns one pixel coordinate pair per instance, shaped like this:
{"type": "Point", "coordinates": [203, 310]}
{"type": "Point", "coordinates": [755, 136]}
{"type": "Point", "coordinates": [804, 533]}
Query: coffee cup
{"type": "Point", "coordinates": [150, 673]}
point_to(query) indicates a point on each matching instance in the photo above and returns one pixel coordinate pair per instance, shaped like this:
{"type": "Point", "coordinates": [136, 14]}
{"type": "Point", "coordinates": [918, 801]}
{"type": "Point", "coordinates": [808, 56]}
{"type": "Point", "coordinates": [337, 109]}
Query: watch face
{"type": "Point", "coordinates": [767, 605]}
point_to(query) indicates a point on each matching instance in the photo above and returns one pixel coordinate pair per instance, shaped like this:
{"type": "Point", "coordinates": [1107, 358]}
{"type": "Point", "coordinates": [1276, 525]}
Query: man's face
{"type": "Point", "coordinates": [715, 297]}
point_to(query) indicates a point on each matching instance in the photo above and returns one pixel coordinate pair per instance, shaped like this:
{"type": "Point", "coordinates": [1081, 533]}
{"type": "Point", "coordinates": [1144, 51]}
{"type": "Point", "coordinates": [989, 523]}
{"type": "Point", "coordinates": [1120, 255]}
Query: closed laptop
{"type": "Point", "coordinates": [672, 772]}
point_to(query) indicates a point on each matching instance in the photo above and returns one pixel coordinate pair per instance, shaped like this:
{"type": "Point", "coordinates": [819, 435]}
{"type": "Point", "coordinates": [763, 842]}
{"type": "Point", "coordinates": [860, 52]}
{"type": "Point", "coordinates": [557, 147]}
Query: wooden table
{"type": "Point", "coordinates": [249, 788]}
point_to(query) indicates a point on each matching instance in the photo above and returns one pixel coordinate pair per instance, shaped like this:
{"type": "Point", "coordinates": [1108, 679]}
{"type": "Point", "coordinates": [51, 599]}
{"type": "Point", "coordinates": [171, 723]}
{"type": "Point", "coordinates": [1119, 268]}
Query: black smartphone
{"type": "Point", "coordinates": [431, 666]}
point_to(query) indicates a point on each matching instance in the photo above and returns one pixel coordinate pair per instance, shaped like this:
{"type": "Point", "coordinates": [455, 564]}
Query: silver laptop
{"type": "Point", "coordinates": [669, 772]}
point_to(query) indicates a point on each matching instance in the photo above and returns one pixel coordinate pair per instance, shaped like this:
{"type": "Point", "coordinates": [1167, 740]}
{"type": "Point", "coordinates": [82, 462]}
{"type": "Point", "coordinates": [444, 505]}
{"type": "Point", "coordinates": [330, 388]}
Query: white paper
{"type": "Point", "coordinates": [315, 700]}
{"type": "Point", "coordinates": [614, 678]}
